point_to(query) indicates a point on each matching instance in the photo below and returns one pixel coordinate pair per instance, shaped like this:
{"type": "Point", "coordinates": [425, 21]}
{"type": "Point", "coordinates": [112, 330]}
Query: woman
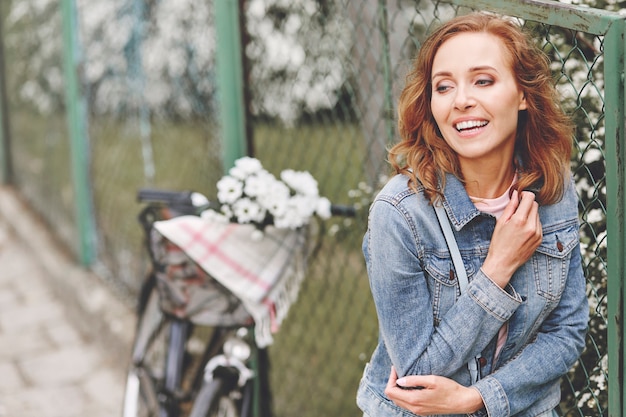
{"type": "Point", "coordinates": [483, 135]}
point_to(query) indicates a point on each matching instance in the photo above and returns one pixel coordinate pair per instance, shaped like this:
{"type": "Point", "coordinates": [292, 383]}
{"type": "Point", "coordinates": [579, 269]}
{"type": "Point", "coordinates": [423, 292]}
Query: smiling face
{"type": "Point", "coordinates": [475, 99]}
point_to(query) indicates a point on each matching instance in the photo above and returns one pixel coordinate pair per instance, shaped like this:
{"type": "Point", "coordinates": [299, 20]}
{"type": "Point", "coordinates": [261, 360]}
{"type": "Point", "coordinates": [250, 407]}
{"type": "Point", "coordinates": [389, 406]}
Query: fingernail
{"type": "Point", "coordinates": [401, 381]}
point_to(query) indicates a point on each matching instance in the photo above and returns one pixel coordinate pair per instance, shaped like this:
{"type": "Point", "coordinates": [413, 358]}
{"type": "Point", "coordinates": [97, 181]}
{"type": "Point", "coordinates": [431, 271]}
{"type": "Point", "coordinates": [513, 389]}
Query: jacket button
{"type": "Point", "coordinates": [559, 246]}
{"type": "Point", "coordinates": [482, 362]}
{"type": "Point", "coordinates": [452, 275]}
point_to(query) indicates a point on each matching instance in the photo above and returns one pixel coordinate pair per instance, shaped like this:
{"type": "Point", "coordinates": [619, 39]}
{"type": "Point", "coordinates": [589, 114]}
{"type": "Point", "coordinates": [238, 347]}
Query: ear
{"type": "Point", "coordinates": [522, 102]}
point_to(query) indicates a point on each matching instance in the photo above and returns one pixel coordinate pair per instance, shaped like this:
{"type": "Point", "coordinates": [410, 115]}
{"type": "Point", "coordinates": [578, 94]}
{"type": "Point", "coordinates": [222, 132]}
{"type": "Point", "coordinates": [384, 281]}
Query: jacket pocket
{"type": "Point", "coordinates": [551, 260]}
{"type": "Point", "coordinates": [443, 283]}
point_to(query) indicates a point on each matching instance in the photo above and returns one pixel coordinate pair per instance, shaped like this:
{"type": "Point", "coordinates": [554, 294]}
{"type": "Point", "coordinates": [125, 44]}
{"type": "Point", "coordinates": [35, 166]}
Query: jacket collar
{"type": "Point", "coordinates": [460, 209]}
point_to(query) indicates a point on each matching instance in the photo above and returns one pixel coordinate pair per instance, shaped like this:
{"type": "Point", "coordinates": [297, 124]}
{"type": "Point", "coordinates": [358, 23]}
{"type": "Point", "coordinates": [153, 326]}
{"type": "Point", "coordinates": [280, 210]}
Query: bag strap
{"type": "Point", "coordinates": [452, 246]}
{"type": "Point", "coordinates": [461, 274]}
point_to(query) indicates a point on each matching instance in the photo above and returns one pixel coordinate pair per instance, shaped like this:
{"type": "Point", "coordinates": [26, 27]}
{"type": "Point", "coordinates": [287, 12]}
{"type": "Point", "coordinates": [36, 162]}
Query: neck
{"type": "Point", "coordinates": [488, 181]}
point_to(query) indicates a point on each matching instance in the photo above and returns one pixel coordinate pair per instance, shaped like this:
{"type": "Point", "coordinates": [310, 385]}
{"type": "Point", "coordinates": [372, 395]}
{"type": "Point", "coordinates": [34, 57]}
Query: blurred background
{"type": "Point", "coordinates": [101, 97]}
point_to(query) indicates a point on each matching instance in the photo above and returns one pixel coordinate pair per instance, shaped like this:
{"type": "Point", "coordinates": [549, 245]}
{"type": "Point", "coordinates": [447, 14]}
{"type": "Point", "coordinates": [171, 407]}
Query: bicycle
{"type": "Point", "coordinates": [182, 365]}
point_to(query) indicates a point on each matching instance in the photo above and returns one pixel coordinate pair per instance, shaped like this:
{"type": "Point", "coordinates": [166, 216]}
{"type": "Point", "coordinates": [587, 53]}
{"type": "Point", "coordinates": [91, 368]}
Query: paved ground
{"type": "Point", "coordinates": [63, 337]}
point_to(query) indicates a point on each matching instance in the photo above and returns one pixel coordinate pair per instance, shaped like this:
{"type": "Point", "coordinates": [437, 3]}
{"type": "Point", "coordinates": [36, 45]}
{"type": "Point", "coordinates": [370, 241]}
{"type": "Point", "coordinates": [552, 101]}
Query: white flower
{"type": "Point", "coordinates": [305, 205]}
{"type": "Point", "coordinates": [289, 220]}
{"type": "Point", "coordinates": [229, 189]}
{"type": "Point", "coordinates": [256, 185]}
{"type": "Point", "coordinates": [199, 200]}
{"type": "Point", "coordinates": [247, 211]}
{"type": "Point", "coordinates": [323, 208]}
{"type": "Point", "coordinates": [244, 167]}
{"type": "Point", "coordinates": [227, 211]}
{"type": "Point", "coordinates": [276, 206]}
{"type": "Point", "coordinates": [250, 192]}
{"type": "Point", "coordinates": [278, 190]}
{"type": "Point", "coordinates": [213, 215]}
{"type": "Point", "coordinates": [300, 181]}
{"type": "Point", "coordinates": [298, 211]}
{"type": "Point", "coordinates": [275, 197]}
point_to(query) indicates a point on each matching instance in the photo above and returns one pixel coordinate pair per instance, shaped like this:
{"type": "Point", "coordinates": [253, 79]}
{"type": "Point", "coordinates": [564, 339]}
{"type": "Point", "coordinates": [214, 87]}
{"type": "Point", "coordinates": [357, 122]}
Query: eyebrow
{"type": "Point", "coordinates": [472, 69]}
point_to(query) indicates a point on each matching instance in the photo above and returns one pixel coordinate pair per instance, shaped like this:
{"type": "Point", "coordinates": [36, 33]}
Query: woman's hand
{"type": "Point", "coordinates": [437, 395]}
{"type": "Point", "coordinates": [517, 234]}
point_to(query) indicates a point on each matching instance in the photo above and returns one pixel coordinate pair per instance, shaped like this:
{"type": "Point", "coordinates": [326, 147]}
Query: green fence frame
{"type": "Point", "coordinates": [230, 79]}
{"type": "Point", "coordinates": [76, 108]}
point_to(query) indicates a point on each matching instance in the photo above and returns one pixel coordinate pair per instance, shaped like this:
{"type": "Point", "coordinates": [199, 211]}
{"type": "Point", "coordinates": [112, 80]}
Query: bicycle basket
{"type": "Point", "coordinates": [187, 291]}
{"type": "Point", "coordinates": [215, 273]}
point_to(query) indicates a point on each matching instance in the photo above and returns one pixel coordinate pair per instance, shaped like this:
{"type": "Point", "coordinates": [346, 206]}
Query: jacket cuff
{"type": "Point", "coordinates": [494, 398]}
{"type": "Point", "coordinates": [502, 303]}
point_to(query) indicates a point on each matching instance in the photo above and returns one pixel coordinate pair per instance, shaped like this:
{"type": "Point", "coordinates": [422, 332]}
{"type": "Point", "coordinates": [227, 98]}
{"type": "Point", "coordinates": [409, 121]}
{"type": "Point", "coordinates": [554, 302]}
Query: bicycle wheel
{"type": "Point", "coordinates": [147, 370]}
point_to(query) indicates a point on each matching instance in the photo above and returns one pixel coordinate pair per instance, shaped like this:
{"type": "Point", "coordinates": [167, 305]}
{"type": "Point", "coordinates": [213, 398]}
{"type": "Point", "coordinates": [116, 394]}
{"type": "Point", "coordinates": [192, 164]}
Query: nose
{"type": "Point", "coordinates": [464, 99]}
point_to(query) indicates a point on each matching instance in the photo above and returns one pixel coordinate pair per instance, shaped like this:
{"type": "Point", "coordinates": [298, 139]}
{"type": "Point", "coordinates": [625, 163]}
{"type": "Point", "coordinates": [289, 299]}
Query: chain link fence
{"type": "Point", "coordinates": [322, 79]}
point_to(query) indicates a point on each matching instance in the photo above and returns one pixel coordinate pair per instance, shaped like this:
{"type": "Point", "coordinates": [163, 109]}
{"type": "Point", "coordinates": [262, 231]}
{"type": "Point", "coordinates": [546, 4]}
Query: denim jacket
{"type": "Point", "coordinates": [426, 327]}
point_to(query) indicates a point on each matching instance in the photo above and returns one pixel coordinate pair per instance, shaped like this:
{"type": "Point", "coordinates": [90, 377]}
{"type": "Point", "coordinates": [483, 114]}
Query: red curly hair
{"type": "Point", "coordinates": [544, 133]}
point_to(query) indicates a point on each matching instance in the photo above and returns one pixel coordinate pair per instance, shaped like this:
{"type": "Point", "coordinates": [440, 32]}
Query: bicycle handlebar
{"type": "Point", "coordinates": [153, 195]}
{"type": "Point", "coordinates": [342, 210]}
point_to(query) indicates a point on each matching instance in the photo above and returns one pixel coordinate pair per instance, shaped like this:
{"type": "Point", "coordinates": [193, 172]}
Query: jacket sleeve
{"type": "Point", "coordinates": [558, 344]}
{"type": "Point", "coordinates": [404, 304]}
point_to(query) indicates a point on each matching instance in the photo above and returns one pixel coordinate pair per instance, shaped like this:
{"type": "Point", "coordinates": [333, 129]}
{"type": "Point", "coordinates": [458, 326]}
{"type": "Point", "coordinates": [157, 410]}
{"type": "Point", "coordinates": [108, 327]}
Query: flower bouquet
{"type": "Point", "coordinates": [250, 194]}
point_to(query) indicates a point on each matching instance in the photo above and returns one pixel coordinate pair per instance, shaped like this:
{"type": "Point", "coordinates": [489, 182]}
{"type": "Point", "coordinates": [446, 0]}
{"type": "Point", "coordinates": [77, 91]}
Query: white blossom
{"type": "Point", "coordinates": [213, 215]}
{"type": "Point", "coordinates": [248, 165]}
{"type": "Point", "coordinates": [248, 211]}
{"type": "Point", "coordinates": [249, 193]}
{"type": "Point", "coordinates": [323, 208]}
{"type": "Point", "coordinates": [257, 185]}
{"type": "Point", "coordinates": [301, 181]}
{"type": "Point", "coordinates": [229, 189]}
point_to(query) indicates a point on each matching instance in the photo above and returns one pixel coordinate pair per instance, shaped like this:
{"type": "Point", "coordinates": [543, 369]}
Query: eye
{"type": "Point", "coordinates": [484, 81]}
{"type": "Point", "coordinates": [442, 88]}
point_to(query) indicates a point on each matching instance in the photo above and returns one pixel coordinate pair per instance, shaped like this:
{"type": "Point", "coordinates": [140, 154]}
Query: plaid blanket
{"type": "Point", "coordinates": [265, 275]}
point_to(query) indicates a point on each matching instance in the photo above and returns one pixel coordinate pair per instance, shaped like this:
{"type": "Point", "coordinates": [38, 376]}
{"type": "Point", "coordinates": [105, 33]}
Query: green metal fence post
{"type": "Point", "coordinates": [616, 198]}
{"type": "Point", "coordinates": [76, 109]}
{"type": "Point", "coordinates": [229, 67]}
{"type": "Point", "coordinates": [6, 166]}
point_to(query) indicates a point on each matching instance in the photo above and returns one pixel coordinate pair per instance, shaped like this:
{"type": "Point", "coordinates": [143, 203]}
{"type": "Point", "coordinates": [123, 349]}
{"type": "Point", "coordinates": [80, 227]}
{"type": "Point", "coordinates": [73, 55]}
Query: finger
{"type": "Point", "coordinates": [511, 207]}
{"type": "Point", "coordinates": [525, 206]}
{"type": "Point", "coordinates": [535, 214]}
{"type": "Point", "coordinates": [391, 385]}
{"type": "Point", "coordinates": [393, 377]}
{"type": "Point", "coordinates": [416, 382]}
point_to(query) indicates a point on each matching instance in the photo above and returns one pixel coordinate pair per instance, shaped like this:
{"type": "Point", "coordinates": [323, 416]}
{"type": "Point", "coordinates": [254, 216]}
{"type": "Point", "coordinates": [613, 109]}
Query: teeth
{"type": "Point", "coordinates": [470, 124]}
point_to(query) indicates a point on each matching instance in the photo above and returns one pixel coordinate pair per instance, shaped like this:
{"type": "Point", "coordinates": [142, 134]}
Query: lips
{"type": "Point", "coordinates": [470, 124]}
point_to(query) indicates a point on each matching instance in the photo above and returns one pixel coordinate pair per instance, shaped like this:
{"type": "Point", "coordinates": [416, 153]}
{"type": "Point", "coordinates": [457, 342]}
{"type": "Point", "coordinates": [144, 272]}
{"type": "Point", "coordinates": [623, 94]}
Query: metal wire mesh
{"type": "Point", "coordinates": [578, 62]}
{"type": "Point", "coordinates": [40, 148]}
{"type": "Point", "coordinates": [323, 78]}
